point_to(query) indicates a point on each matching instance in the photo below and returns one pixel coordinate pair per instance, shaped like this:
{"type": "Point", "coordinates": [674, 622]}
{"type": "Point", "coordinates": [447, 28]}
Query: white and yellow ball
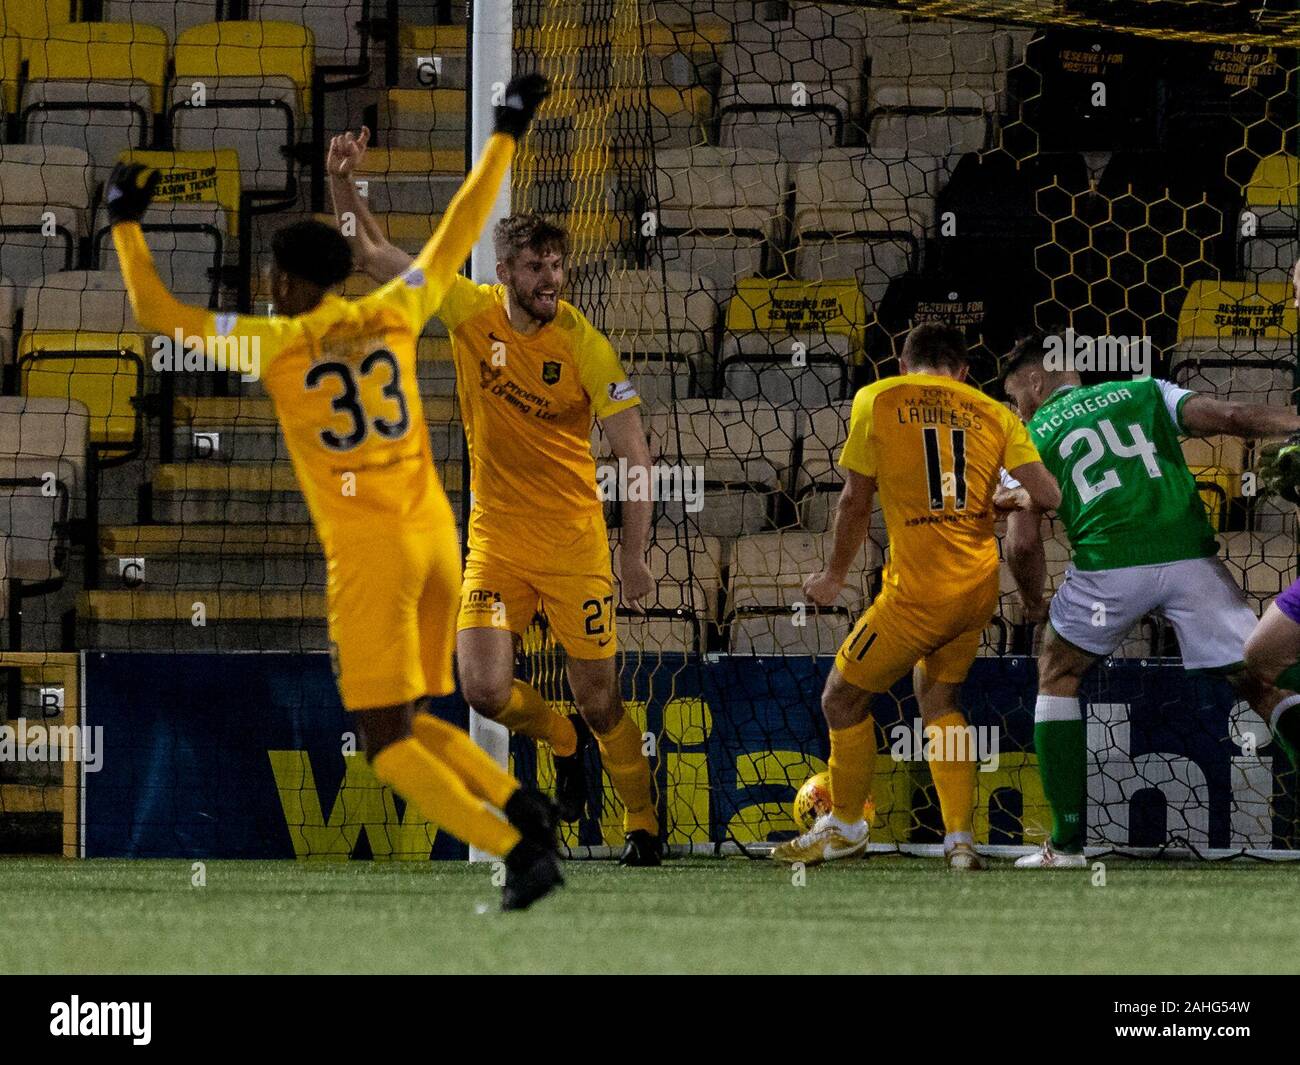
{"type": "Point", "coordinates": [814, 799]}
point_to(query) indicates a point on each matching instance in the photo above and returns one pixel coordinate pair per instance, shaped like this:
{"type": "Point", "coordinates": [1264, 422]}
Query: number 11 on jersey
{"type": "Point", "coordinates": [953, 482]}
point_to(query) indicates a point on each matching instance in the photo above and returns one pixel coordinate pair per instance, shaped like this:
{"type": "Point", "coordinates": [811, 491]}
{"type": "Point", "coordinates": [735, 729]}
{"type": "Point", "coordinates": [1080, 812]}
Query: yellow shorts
{"type": "Point", "coordinates": [894, 634]}
{"type": "Point", "coordinates": [392, 615]}
{"type": "Point", "coordinates": [512, 569]}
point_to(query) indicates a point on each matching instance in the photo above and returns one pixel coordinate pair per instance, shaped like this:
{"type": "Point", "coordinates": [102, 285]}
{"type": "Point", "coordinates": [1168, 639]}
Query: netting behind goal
{"type": "Point", "coordinates": [763, 198]}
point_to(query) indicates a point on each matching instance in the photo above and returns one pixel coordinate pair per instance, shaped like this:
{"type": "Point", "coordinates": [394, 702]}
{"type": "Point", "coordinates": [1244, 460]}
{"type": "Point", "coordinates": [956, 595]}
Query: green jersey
{"type": "Point", "coordinates": [1127, 496]}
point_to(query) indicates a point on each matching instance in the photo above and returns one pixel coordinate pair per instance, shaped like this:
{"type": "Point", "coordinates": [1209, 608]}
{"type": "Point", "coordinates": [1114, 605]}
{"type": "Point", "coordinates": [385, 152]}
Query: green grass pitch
{"type": "Point", "coordinates": [884, 915]}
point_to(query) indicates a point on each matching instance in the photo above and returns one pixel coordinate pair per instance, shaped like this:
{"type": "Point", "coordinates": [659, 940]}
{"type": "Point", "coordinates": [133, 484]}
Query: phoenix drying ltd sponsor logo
{"type": "Point", "coordinates": [77, 1018]}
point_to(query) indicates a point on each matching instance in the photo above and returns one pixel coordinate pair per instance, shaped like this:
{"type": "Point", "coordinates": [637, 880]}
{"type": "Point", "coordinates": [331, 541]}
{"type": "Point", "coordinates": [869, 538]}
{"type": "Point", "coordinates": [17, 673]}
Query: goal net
{"type": "Point", "coordinates": [762, 199]}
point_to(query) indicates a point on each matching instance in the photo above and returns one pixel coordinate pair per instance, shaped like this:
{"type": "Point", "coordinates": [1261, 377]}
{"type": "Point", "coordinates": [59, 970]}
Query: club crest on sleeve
{"type": "Point", "coordinates": [414, 278]}
{"type": "Point", "coordinates": [621, 390]}
{"type": "Point", "coordinates": [550, 372]}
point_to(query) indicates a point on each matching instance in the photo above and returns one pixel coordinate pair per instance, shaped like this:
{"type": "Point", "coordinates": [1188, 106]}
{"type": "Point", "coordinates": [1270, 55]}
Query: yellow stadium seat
{"type": "Point", "coordinates": [1274, 182]}
{"type": "Point", "coordinates": [450, 162]}
{"type": "Point", "coordinates": [107, 382]}
{"type": "Point", "coordinates": [433, 38]}
{"type": "Point", "coordinates": [10, 61]}
{"type": "Point", "coordinates": [410, 180]}
{"type": "Point", "coordinates": [104, 51]}
{"type": "Point", "coordinates": [1216, 487]}
{"type": "Point", "coordinates": [248, 50]}
{"type": "Point", "coordinates": [34, 21]}
{"type": "Point", "coordinates": [246, 86]}
{"type": "Point", "coordinates": [425, 118]}
{"type": "Point", "coordinates": [94, 86]}
{"type": "Point", "coordinates": [196, 177]}
{"type": "Point", "coordinates": [1238, 311]}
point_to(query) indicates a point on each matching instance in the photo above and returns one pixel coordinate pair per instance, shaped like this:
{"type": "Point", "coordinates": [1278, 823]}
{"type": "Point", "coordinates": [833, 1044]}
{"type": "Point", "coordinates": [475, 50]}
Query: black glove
{"type": "Point", "coordinates": [128, 192]}
{"type": "Point", "coordinates": [523, 95]}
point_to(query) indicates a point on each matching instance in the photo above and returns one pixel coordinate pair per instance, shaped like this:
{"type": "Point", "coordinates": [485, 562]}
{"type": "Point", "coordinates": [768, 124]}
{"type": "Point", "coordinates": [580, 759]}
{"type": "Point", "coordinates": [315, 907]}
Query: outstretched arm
{"type": "Point", "coordinates": [127, 194]}
{"type": "Point", "coordinates": [1203, 415]}
{"type": "Point", "coordinates": [371, 249]}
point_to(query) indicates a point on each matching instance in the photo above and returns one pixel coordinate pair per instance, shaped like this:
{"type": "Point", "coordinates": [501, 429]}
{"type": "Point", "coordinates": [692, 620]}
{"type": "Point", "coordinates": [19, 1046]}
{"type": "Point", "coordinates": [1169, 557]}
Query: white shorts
{"type": "Point", "coordinates": [1095, 609]}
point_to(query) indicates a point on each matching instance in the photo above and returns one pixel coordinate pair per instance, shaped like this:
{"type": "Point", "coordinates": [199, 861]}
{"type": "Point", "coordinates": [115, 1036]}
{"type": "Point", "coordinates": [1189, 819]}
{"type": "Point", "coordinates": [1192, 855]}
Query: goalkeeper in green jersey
{"type": "Point", "coordinates": [1140, 543]}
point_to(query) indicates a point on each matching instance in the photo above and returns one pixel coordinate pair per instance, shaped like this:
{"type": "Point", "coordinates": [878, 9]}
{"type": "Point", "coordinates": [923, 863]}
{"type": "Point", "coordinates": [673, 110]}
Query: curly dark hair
{"type": "Point", "coordinates": [516, 232]}
{"type": "Point", "coordinates": [312, 251]}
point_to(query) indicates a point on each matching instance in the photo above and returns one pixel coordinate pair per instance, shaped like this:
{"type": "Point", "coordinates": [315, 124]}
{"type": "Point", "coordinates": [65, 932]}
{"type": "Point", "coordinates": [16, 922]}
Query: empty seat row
{"type": "Point", "coordinates": [102, 86]}
{"type": "Point", "coordinates": [48, 192]}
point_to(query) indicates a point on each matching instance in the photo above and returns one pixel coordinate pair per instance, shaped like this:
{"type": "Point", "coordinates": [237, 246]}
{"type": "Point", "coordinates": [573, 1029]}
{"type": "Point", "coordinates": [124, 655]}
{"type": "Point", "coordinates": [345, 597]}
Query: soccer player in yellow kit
{"type": "Point", "coordinates": [342, 376]}
{"type": "Point", "coordinates": [531, 374]}
{"type": "Point", "coordinates": [933, 447]}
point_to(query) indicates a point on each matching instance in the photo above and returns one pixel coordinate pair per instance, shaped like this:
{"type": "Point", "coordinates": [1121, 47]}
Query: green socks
{"type": "Point", "coordinates": [1060, 740]}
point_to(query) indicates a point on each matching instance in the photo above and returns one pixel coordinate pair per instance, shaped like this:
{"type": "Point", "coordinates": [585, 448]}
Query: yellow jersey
{"type": "Point", "coordinates": [528, 403]}
{"type": "Point", "coordinates": [934, 447]}
{"type": "Point", "coordinates": [343, 375]}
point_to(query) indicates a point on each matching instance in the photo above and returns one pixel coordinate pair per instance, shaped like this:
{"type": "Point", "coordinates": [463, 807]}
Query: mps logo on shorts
{"type": "Point", "coordinates": [550, 372]}
{"type": "Point", "coordinates": [483, 596]}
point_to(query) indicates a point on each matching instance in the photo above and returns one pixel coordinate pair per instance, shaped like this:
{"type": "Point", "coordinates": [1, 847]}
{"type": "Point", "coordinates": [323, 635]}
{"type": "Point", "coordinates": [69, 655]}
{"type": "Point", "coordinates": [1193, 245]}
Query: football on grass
{"type": "Point", "coordinates": [814, 799]}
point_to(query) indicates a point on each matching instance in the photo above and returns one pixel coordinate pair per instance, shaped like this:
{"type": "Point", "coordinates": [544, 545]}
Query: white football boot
{"type": "Point", "coordinates": [826, 841]}
{"type": "Point", "coordinates": [1047, 858]}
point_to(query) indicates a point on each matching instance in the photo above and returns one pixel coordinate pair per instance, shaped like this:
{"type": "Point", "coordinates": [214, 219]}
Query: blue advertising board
{"type": "Point", "coordinates": [252, 756]}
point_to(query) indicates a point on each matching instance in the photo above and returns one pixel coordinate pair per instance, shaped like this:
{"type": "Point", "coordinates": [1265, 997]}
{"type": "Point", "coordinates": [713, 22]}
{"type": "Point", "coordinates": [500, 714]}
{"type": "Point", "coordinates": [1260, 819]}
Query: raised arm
{"type": "Point", "coordinates": [127, 195]}
{"type": "Point", "coordinates": [371, 249]}
{"type": "Point", "coordinates": [441, 258]}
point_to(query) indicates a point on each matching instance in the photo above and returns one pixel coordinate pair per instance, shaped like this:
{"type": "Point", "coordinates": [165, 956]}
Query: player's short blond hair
{"type": "Point", "coordinates": [516, 232]}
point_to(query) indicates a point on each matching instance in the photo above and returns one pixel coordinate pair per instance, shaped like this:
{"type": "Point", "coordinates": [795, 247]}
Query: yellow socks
{"type": "Point", "coordinates": [852, 764]}
{"type": "Point", "coordinates": [954, 780]}
{"type": "Point", "coordinates": [438, 793]}
{"type": "Point", "coordinates": [629, 770]}
{"type": "Point", "coordinates": [527, 713]}
{"type": "Point", "coordinates": [480, 773]}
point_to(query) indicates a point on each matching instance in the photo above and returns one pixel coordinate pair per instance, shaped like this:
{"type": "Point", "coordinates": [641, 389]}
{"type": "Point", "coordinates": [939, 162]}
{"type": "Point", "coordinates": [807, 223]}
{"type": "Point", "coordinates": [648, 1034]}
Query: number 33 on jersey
{"type": "Point", "coordinates": [343, 378]}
